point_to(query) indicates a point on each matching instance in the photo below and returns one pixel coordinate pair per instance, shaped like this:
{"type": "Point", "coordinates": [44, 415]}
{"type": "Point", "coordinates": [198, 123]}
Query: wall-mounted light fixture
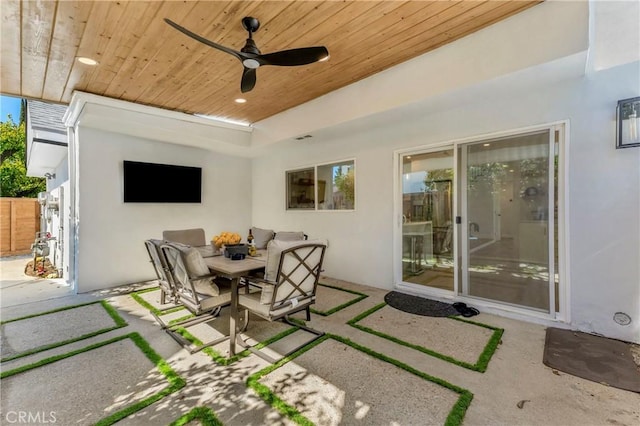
{"type": "Point", "coordinates": [628, 123]}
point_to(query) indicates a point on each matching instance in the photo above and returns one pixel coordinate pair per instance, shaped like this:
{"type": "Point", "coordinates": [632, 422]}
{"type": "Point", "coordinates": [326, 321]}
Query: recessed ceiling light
{"type": "Point", "coordinates": [87, 61]}
{"type": "Point", "coordinates": [240, 100]}
{"type": "Point", "coordinates": [486, 144]}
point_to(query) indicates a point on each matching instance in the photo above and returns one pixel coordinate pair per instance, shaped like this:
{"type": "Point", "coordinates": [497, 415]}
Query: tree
{"type": "Point", "coordinates": [14, 181]}
{"type": "Point", "coordinates": [346, 183]}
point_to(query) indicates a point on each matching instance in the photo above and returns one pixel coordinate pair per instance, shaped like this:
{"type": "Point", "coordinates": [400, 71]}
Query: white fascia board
{"type": "Point", "coordinates": [113, 115]}
{"type": "Point", "coordinates": [44, 158]}
{"type": "Point", "coordinates": [44, 134]}
{"type": "Point", "coordinates": [544, 33]}
{"type": "Point", "coordinates": [79, 99]}
{"type": "Point", "coordinates": [45, 150]}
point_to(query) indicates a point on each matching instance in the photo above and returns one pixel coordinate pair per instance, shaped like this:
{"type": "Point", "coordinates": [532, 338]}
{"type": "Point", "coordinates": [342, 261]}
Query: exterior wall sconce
{"type": "Point", "coordinates": [628, 123]}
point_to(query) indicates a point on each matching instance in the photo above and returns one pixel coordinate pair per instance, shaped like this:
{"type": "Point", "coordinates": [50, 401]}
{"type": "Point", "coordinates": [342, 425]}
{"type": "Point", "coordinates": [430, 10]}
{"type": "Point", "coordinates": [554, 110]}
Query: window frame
{"type": "Point", "coordinates": [314, 169]}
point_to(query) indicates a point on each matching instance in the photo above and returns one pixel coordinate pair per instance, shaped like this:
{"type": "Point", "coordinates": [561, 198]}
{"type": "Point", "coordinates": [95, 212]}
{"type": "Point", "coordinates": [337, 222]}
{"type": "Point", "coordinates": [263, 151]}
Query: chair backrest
{"type": "Point", "coordinates": [416, 227]}
{"type": "Point", "coordinates": [297, 277]}
{"type": "Point", "coordinates": [189, 237]}
{"type": "Point", "coordinates": [290, 236]}
{"type": "Point", "coordinates": [175, 265]}
{"type": "Point", "coordinates": [193, 281]}
{"type": "Point", "coordinates": [160, 265]}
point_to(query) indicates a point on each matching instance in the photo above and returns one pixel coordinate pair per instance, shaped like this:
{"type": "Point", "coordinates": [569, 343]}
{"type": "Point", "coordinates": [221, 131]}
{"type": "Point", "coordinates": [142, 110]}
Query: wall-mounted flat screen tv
{"type": "Point", "coordinates": [161, 183]}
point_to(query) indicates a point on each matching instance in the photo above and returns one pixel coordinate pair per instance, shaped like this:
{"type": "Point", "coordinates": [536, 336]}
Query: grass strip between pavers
{"type": "Point", "coordinates": [344, 305]}
{"type": "Point", "coordinates": [180, 319]}
{"type": "Point", "coordinates": [222, 360]}
{"type": "Point", "coordinates": [204, 415]}
{"type": "Point", "coordinates": [480, 365]}
{"type": "Point", "coordinates": [136, 296]}
{"type": "Point", "coordinates": [175, 381]}
{"type": "Point", "coordinates": [113, 313]}
{"type": "Point", "coordinates": [455, 417]}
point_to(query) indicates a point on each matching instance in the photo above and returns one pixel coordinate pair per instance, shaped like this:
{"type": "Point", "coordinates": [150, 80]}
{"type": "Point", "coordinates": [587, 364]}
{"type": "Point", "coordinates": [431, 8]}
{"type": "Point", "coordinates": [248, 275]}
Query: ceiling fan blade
{"type": "Point", "coordinates": [201, 39]}
{"type": "Point", "coordinates": [248, 80]}
{"type": "Point", "coordinates": [293, 57]}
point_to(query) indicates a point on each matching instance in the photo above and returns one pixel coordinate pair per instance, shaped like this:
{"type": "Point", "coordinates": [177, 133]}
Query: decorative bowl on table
{"type": "Point", "coordinates": [231, 250]}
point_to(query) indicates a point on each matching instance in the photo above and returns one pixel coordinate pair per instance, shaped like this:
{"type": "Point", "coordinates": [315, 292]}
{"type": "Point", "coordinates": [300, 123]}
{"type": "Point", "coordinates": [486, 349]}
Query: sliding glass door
{"type": "Point", "coordinates": [479, 220]}
{"type": "Point", "coordinates": [508, 200]}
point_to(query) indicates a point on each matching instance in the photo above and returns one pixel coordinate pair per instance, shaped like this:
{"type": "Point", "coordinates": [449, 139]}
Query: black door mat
{"type": "Point", "coordinates": [419, 305]}
{"type": "Point", "coordinates": [590, 357]}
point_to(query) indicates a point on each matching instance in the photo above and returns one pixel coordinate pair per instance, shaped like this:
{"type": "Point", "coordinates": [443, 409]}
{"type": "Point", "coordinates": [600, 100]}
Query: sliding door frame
{"type": "Point", "coordinates": [397, 213]}
{"type": "Point", "coordinates": [560, 131]}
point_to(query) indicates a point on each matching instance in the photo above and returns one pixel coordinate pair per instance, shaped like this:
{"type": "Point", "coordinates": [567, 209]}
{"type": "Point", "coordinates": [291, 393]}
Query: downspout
{"type": "Point", "coordinates": [72, 244]}
{"type": "Point", "coordinates": [23, 107]}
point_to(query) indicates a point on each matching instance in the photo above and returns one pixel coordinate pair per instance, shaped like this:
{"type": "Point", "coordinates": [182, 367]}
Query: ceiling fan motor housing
{"type": "Point", "coordinates": [250, 24]}
{"type": "Point", "coordinates": [250, 47]}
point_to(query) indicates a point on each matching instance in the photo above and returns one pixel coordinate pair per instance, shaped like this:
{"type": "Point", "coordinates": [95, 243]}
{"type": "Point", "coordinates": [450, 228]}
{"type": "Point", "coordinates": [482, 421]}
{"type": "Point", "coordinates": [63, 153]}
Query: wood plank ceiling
{"type": "Point", "coordinates": [142, 59]}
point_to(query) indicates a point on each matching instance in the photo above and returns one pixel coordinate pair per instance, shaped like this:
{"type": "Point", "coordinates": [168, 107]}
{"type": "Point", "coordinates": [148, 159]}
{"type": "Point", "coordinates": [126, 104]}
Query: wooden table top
{"type": "Point", "coordinates": [235, 268]}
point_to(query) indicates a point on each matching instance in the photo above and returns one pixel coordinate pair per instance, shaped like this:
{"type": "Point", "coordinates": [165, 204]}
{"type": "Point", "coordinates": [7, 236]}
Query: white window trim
{"type": "Point", "coordinates": [315, 177]}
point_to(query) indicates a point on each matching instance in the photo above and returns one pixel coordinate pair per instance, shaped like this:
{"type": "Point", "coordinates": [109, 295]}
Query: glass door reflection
{"type": "Point", "coordinates": [506, 208]}
{"type": "Point", "coordinates": [427, 208]}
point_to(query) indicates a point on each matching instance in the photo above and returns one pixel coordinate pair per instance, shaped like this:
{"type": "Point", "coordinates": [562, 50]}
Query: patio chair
{"type": "Point", "coordinates": [289, 285]}
{"type": "Point", "coordinates": [190, 237]}
{"type": "Point", "coordinates": [167, 289]}
{"type": "Point", "coordinates": [290, 236]}
{"type": "Point", "coordinates": [195, 289]}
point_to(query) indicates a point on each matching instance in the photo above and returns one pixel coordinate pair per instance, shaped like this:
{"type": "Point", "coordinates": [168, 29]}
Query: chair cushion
{"type": "Point", "coordinates": [266, 294]}
{"type": "Point", "coordinates": [289, 236]}
{"type": "Point", "coordinates": [206, 251]}
{"type": "Point", "coordinates": [206, 287]}
{"type": "Point", "coordinates": [196, 267]}
{"type": "Point", "coordinates": [207, 302]}
{"type": "Point", "coordinates": [261, 237]}
{"type": "Point", "coordinates": [190, 237]}
{"type": "Point", "coordinates": [275, 248]}
{"type": "Point", "coordinates": [253, 303]}
{"type": "Point", "coordinates": [266, 291]}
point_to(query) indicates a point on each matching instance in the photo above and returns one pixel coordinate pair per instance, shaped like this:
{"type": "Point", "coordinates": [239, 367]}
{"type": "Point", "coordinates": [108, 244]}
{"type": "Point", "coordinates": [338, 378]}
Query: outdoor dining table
{"type": "Point", "coordinates": [233, 270]}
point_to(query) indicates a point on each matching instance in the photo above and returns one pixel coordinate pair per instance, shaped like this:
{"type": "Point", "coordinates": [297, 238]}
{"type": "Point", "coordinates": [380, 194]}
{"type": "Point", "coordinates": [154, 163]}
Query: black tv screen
{"type": "Point", "coordinates": [161, 183]}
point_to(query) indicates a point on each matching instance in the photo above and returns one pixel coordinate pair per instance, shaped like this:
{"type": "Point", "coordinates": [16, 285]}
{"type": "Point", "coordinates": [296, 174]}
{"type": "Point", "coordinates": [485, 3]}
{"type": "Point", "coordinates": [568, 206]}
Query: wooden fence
{"type": "Point", "coordinates": [19, 222]}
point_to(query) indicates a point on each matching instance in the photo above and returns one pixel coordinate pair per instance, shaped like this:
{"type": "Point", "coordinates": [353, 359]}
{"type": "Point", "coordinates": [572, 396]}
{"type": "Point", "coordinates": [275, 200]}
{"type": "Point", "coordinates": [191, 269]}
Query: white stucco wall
{"type": "Point", "coordinates": [604, 184]}
{"type": "Point", "coordinates": [111, 232]}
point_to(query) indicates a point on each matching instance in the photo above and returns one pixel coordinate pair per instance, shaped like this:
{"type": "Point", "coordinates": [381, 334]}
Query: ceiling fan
{"type": "Point", "coordinates": [251, 57]}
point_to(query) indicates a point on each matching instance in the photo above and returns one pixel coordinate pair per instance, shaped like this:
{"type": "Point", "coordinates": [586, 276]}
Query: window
{"type": "Point", "coordinates": [328, 186]}
{"type": "Point", "coordinates": [301, 189]}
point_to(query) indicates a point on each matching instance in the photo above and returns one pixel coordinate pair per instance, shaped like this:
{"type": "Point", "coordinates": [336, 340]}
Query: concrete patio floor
{"type": "Point", "coordinates": [332, 383]}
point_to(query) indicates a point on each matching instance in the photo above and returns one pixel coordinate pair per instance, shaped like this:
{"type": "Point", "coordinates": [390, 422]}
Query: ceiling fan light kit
{"type": "Point", "coordinates": [252, 58]}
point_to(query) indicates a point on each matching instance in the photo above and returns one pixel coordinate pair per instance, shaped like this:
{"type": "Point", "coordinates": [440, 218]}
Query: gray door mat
{"type": "Point", "coordinates": [590, 357]}
{"type": "Point", "coordinates": [419, 305]}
